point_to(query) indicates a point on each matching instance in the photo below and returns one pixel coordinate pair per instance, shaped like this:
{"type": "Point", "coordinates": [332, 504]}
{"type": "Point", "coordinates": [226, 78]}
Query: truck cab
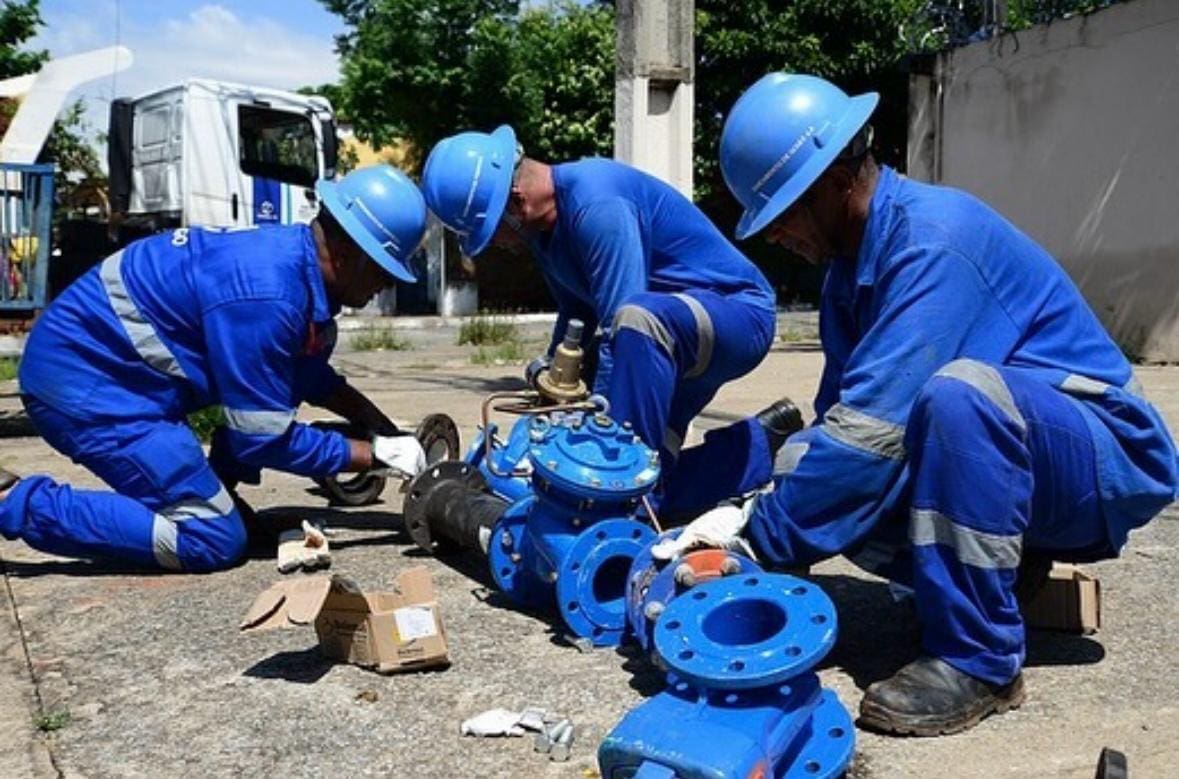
{"type": "Point", "coordinates": [220, 154]}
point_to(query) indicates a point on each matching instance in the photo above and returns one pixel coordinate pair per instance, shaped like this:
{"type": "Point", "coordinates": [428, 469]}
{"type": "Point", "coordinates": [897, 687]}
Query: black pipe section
{"type": "Point", "coordinates": [448, 508]}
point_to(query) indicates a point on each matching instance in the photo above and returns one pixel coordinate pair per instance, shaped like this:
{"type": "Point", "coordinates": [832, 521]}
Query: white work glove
{"type": "Point", "coordinates": [400, 455]}
{"type": "Point", "coordinates": [719, 528]}
{"type": "Point", "coordinates": [496, 722]}
{"type": "Point", "coordinates": [305, 548]}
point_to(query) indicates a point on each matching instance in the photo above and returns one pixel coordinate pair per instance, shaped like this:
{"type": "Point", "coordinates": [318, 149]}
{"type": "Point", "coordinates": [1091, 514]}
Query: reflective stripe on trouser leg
{"type": "Point", "coordinates": [169, 509]}
{"type": "Point", "coordinates": [997, 458]}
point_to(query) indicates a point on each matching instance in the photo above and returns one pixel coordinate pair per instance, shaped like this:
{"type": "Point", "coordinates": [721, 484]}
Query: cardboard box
{"type": "Point", "coordinates": [388, 632]}
{"type": "Point", "coordinates": [1069, 602]}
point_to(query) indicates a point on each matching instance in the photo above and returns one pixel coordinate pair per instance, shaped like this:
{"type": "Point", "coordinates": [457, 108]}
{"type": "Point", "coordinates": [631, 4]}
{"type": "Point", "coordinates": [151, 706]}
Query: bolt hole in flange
{"type": "Point", "coordinates": [743, 622]}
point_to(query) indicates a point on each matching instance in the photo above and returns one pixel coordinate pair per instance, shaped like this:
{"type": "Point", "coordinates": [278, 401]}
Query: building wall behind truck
{"type": "Point", "coordinates": [1071, 131]}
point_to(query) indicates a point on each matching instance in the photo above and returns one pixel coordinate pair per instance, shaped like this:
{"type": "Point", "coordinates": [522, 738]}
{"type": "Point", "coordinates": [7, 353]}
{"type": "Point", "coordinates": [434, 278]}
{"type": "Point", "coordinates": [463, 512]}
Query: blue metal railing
{"type": "Point", "coordinates": [26, 217]}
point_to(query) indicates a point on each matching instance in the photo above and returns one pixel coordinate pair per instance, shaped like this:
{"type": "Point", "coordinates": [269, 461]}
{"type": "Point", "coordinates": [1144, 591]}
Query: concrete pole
{"type": "Point", "coordinates": [653, 92]}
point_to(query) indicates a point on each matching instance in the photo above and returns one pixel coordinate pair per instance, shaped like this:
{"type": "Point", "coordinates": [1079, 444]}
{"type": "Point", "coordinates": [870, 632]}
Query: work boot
{"type": "Point", "coordinates": [781, 419]}
{"type": "Point", "coordinates": [8, 480]}
{"type": "Point", "coordinates": [929, 697]}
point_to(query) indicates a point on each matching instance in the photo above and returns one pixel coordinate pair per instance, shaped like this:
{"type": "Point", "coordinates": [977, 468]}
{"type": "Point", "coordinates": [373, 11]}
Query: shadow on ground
{"type": "Point", "coordinates": [305, 666]}
{"type": "Point", "coordinates": [878, 635]}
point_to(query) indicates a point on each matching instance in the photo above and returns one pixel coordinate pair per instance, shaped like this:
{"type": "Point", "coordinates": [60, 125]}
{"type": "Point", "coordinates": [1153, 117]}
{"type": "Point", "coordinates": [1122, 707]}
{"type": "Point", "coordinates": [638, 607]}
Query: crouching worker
{"type": "Point", "coordinates": [681, 311]}
{"type": "Point", "coordinates": [198, 317]}
{"type": "Point", "coordinates": [973, 416]}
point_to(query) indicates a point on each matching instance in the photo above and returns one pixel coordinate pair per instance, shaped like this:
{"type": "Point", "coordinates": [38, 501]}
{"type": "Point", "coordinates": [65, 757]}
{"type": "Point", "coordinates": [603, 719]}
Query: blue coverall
{"type": "Point", "coordinates": [682, 311]}
{"type": "Point", "coordinates": [169, 325]}
{"type": "Point", "coordinates": [971, 408]}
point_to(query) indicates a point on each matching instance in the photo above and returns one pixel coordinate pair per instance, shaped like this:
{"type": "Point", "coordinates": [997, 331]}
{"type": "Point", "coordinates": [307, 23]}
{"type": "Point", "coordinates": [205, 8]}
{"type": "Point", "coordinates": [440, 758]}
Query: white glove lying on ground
{"type": "Point", "coordinates": [402, 455]}
{"type": "Point", "coordinates": [303, 548]}
{"type": "Point", "coordinates": [502, 722]}
{"type": "Point", "coordinates": [719, 528]}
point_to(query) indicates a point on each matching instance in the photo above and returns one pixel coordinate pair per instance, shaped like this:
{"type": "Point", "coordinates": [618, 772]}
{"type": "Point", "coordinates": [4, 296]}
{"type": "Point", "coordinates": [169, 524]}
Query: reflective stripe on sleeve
{"type": "Point", "coordinates": [259, 422]}
{"type": "Point", "coordinates": [971, 547]}
{"type": "Point", "coordinates": [1075, 384]}
{"type": "Point", "coordinates": [788, 457]}
{"type": "Point", "coordinates": [141, 333]}
{"type": "Point", "coordinates": [865, 432]}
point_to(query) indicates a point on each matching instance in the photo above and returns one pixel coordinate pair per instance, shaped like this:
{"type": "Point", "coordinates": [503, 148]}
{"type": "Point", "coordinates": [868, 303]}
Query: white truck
{"type": "Point", "coordinates": [220, 154]}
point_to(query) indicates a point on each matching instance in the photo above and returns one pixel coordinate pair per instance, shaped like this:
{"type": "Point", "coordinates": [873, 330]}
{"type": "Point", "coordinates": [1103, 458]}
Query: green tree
{"type": "Point", "coordinates": [418, 70]}
{"type": "Point", "coordinates": [405, 65]}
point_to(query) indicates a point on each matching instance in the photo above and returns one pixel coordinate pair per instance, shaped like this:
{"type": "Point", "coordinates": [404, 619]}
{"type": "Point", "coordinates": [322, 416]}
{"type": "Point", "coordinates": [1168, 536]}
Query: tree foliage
{"type": "Point", "coordinates": [418, 70]}
{"type": "Point", "coordinates": [67, 145]}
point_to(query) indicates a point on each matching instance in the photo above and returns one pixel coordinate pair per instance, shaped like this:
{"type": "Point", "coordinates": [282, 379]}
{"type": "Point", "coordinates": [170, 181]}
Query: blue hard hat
{"type": "Point", "coordinates": [780, 137]}
{"type": "Point", "coordinates": [382, 211]}
{"type": "Point", "coordinates": [466, 182]}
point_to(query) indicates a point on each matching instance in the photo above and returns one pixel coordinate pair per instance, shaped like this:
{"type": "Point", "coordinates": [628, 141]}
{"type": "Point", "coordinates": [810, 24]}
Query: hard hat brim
{"type": "Point", "coordinates": [329, 196]}
{"type": "Point", "coordinates": [504, 139]}
{"type": "Point", "coordinates": [754, 220]}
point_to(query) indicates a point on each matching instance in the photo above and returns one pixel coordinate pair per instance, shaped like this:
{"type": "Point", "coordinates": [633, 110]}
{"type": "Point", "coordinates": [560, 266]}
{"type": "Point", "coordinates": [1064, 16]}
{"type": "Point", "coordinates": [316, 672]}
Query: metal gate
{"type": "Point", "coordinates": [26, 211]}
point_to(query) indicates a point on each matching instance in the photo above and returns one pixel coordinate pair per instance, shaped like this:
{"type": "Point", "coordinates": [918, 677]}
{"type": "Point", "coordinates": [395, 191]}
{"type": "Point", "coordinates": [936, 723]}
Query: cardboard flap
{"type": "Point", "coordinates": [286, 603]}
{"type": "Point", "coordinates": [267, 612]}
{"type": "Point", "coordinates": [345, 595]}
{"type": "Point", "coordinates": [305, 597]}
{"type": "Point", "coordinates": [414, 585]}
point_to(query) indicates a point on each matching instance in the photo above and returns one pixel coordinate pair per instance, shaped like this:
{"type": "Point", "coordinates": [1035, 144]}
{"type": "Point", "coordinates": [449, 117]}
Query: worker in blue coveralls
{"type": "Point", "coordinates": [197, 317]}
{"type": "Point", "coordinates": [680, 310]}
{"type": "Point", "coordinates": [972, 414]}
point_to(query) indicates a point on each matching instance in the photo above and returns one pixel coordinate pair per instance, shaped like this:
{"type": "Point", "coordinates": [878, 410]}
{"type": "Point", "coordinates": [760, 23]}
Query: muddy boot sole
{"type": "Point", "coordinates": [874, 716]}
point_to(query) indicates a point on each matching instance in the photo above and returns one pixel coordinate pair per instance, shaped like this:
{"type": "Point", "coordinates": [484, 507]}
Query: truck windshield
{"type": "Point", "coordinates": [278, 145]}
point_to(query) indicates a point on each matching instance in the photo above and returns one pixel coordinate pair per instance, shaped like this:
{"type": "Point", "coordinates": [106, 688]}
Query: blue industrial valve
{"type": "Point", "coordinates": [503, 464]}
{"type": "Point", "coordinates": [651, 584]}
{"type": "Point", "coordinates": [742, 699]}
{"type": "Point", "coordinates": [574, 537]}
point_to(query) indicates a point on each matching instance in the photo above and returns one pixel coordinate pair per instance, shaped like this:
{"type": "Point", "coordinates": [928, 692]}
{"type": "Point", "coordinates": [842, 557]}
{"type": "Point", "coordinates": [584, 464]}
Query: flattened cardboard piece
{"type": "Point", "coordinates": [1070, 602]}
{"type": "Point", "coordinates": [389, 632]}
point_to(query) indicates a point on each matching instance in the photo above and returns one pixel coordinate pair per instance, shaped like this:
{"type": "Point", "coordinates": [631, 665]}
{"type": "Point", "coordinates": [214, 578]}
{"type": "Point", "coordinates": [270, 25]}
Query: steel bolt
{"type": "Point", "coordinates": [576, 522]}
{"type": "Point", "coordinates": [653, 610]}
{"type": "Point", "coordinates": [505, 539]}
{"type": "Point", "coordinates": [730, 566]}
{"type": "Point", "coordinates": [685, 576]}
{"type": "Point", "coordinates": [562, 738]}
{"type": "Point", "coordinates": [553, 576]}
{"type": "Point", "coordinates": [514, 557]}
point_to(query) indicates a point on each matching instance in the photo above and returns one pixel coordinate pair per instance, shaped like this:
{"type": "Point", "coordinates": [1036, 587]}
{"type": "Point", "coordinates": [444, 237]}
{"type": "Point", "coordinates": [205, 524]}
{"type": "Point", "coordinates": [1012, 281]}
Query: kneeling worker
{"type": "Point", "coordinates": [973, 415]}
{"type": "Point", "coordinates": [198, 317]}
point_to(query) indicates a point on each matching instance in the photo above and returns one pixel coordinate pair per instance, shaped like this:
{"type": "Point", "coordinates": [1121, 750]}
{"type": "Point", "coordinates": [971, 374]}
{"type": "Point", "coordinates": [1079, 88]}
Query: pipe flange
{"type": "Point", "coordinates": [506, 558]}
{"type": "Point", "coordinates": [421, 489]}
{"type": "Point", "coordinates": [439, 437]}
{"type": "Point", "coordinates": [652, 584]}
{"type": "Point", "coordinates": [592, 578]}
{"type": "Point", "coordinates": [739, 632]}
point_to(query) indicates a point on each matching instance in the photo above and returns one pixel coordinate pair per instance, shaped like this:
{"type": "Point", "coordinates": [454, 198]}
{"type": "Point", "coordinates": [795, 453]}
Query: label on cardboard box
{"type": "Point", "coordinates": [415, 622]}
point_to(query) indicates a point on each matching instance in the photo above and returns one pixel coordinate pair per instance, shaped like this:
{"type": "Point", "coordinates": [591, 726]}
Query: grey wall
{"type": "Point", "coordinates": [1071, 130]}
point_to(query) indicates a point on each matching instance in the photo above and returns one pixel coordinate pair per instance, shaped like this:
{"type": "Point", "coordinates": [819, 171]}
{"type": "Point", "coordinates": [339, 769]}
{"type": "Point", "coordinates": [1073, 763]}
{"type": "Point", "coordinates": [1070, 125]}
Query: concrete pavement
{"type": "Point", "coordinates": [156, 680]}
